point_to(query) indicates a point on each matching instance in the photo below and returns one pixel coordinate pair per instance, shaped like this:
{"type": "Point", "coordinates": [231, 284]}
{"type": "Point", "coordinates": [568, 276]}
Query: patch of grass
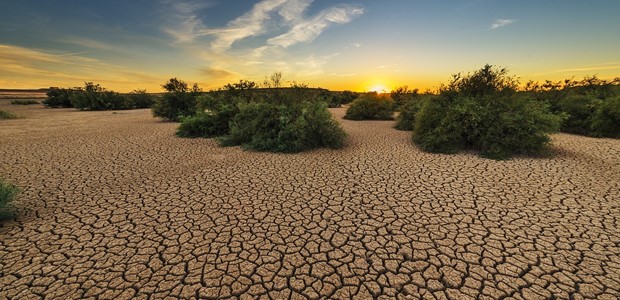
{"type": "Point", "coordinates": [5, 115]}
{"type": "Point", "coordinates": [8, 192]}
{"type": "Point", "coordinates": [24, 102]}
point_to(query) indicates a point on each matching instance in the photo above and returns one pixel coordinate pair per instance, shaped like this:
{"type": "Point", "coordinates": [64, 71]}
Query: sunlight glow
{"type": "Point", "coordinates": [379, 88]}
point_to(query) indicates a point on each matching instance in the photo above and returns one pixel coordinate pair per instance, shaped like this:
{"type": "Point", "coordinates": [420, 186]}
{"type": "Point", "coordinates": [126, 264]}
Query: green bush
{"type": "Point", "coordinates": [5, 114]}
{"type": "Point", "coordinates": [498, 126]}
{"type": "Point", "coordinates": [24, 102]}
{"type": "Point", "coordinates": [579, 110]}
{"type": "Point", "coordinates": [208, 124]}
{"type": "Point", "coordinates": [284, 128]}
{"type": "Point", "coordinates": [371, 106]}
{"type": "Point", "coordinates": [141, 99]}
{"type": "Point", "coordinates": [8, 192]}
{"type": "Point", "coordinates": [408, 111]}
{"type": "Point", "coordinates": [179, 101]}
{"type": "Point", "coordinates": [482, 111]}
{"type": "Point", "coordinates": [606, 119]}
{"type": "Point", "coordinates": [95, 97]}
{"type": "Point", "coordinates": [175, 105]}
{"type": "Point", "coordinates": [59, 98]}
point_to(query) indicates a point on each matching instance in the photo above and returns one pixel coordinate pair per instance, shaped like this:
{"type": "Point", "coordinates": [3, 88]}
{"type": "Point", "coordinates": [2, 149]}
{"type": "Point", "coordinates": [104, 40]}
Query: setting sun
{"type": "Point", "coordinates": [379, 88]}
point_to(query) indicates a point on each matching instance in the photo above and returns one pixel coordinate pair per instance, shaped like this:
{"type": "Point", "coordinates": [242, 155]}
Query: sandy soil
{"type": "Point", "coordinates": [114, 206]}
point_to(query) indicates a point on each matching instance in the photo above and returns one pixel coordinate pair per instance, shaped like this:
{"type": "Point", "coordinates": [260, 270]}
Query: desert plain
{"type": "Point", "coordinates": [114, 206]}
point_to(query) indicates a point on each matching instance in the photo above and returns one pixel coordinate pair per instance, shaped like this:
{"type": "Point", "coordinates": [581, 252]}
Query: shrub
{"type": "Point", "coordinates": [5, 114]}
{"type": "Point", "coordinates": [208, 124]}
{"type": "Point", "coordinates": [284, 128]}
{"type": "Point", "coordinates": [8, 192]}
{"type": "Point", "coordinates": [579, 110]}
{"type": "Point", "coordinates": [179, 101]}
{"type": "Point", "coordinates": [95, 97]}
{"type": "Point", "coordinates": [408, 111]}
{"type": "Point", "coordinates": [24, 102]}
{"type": "Point", "coordinates": [498, 126]}
{"type": "Point", "coordinates": [344, 97]}
{"type": "Point", "coordinates": [483, 112]}
{"type": "Point", "coordinates": [402, 95]}
{"type": "Point", "coordinates": [606, 119]}
{"type": "Point", "coordinates": [175, 105]}
{"type": "Point", "coordinates": [371, 106]}
{"type": "Point", "coordinates": [141, 99]}
{"type": "Point", "coordinates": [58, 98]}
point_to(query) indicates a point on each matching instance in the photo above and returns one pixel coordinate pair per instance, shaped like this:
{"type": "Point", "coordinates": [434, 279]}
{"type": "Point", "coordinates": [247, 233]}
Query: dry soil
{"type": "Point", "coordinates": [114, 206]}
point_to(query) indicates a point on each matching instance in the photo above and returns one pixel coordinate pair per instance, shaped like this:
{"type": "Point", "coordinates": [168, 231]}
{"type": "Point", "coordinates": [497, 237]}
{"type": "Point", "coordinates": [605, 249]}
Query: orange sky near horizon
{"type": "Point", "coordinates": [358, 45]}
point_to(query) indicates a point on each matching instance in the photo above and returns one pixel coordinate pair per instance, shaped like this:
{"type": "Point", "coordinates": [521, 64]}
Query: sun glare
{"type": "Point", "coordinates": [379, 88]}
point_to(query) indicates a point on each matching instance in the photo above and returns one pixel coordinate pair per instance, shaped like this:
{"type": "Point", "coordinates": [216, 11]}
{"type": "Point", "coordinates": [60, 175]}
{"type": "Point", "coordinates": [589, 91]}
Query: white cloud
{"type": "Point", "coordinates": [308, 30]}
{"type": "Point", "coordinates": [301, 28]}
{"type": "Point", "coordinates": [501, 23]}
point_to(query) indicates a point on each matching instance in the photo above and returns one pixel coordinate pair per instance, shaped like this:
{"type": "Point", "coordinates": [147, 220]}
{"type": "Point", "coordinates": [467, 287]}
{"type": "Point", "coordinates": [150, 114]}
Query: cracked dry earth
{"type": "Point", "coordinates": [114, 206]}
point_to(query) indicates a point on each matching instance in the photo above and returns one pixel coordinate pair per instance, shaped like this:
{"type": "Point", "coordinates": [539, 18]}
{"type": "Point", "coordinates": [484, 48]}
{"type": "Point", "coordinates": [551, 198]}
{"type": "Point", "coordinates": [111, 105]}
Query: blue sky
{"type": "Point", "coordinates": [359, 45]}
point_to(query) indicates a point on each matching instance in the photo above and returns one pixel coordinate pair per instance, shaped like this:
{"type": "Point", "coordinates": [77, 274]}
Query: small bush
{"type": "Point", "coordinates": [24, 102]}
{"type": "Point", "coordinates": [141, 99]}
{"type": "Point", "coordinates": [8, 192]}
{"type": "Point", "coordinates": [606, 119]}
{"type": "Point", "coordinates": [408, 111]}
{"type": "Point", "coordinates": [208, 124]}
{"type": "Point", "coordinates": [5, 115]}
{"type": "Point", "coordinates": [371, 106]}
{"type": "Point", "coordinates": [59, 98]}
{"type": "Point", "coordinates": [284, 128]}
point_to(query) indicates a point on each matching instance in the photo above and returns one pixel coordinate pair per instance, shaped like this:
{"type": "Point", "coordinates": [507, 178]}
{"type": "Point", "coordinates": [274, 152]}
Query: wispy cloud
{"type": "Point", "coordinates": [39, 68]}
{"type": "Point", "coordinates": [289, 14]}
{"type": "Point", "coordinates": [603, 67]}
{"type": "Point", "coordinates": [501, 23]}
{"type": "Point", "coordinates": [308, 30]}
{"type": "Point", "coordinates": [217, 73]}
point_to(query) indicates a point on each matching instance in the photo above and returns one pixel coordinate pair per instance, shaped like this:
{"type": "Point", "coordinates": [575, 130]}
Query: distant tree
{"type": "Point", "coordinates": [179, 100]}
{"type": "Point", "coordinates": [274, 81]}
{"type": "Point", "coordinates": [175, 85]}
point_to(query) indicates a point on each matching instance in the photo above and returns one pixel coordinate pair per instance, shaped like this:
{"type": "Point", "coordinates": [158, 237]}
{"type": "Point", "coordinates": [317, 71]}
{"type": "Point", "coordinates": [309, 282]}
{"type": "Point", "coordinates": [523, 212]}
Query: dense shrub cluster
{"type": "Point", "coordinates": [590, 106]}
{"type": "Point", "coordinates": [5, 114]}
{"type": "Point", "coordinates": [498, 126]}
{"type": "Point", "coordinates": [24, 102]}
{"type": "Point", "coordinates": [337, 99]}
{"type": "Point", "coordinates": [94, 97]}
{"type": "Point", "coordinates": [408, 111]}
{"type": "Point", "coordinates": [371, 106]}
{"type": "Point", "coordinates": [208, 124]}
{"type": "Point", "coordinates": [483, 111]}
{"type": "Point", "coordinates": [59, 98]}
{"type": "Point", "coordinates": [263, 126]}
{"type": "Point", "coordinates": [274, 119]}
{"type": "Point", "coordinates": [179, 101]}
{"type": "Point", "coordinates": [8, 192]}
{"type": "Point", "coordinates": [141, 99]}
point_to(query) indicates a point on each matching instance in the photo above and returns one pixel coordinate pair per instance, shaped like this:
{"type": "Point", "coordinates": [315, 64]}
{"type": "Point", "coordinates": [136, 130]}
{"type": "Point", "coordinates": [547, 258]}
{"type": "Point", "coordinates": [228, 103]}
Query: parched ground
{"type": "Point", "coordinates": [114, 206]}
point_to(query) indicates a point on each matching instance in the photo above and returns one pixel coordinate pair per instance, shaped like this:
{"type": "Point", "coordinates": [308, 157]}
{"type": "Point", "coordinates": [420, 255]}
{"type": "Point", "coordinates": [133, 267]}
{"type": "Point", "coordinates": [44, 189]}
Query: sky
{"type": "Point", "coordinates": [358, 45]}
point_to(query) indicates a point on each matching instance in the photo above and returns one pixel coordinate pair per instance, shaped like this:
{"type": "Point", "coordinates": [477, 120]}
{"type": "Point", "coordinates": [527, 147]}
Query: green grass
{"type": "Point", "coordinates": [8, 192]}
{"type": "Point", "coordinates": [5, 114]}
{"type": "Point", "coordinates": [24, 102]}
